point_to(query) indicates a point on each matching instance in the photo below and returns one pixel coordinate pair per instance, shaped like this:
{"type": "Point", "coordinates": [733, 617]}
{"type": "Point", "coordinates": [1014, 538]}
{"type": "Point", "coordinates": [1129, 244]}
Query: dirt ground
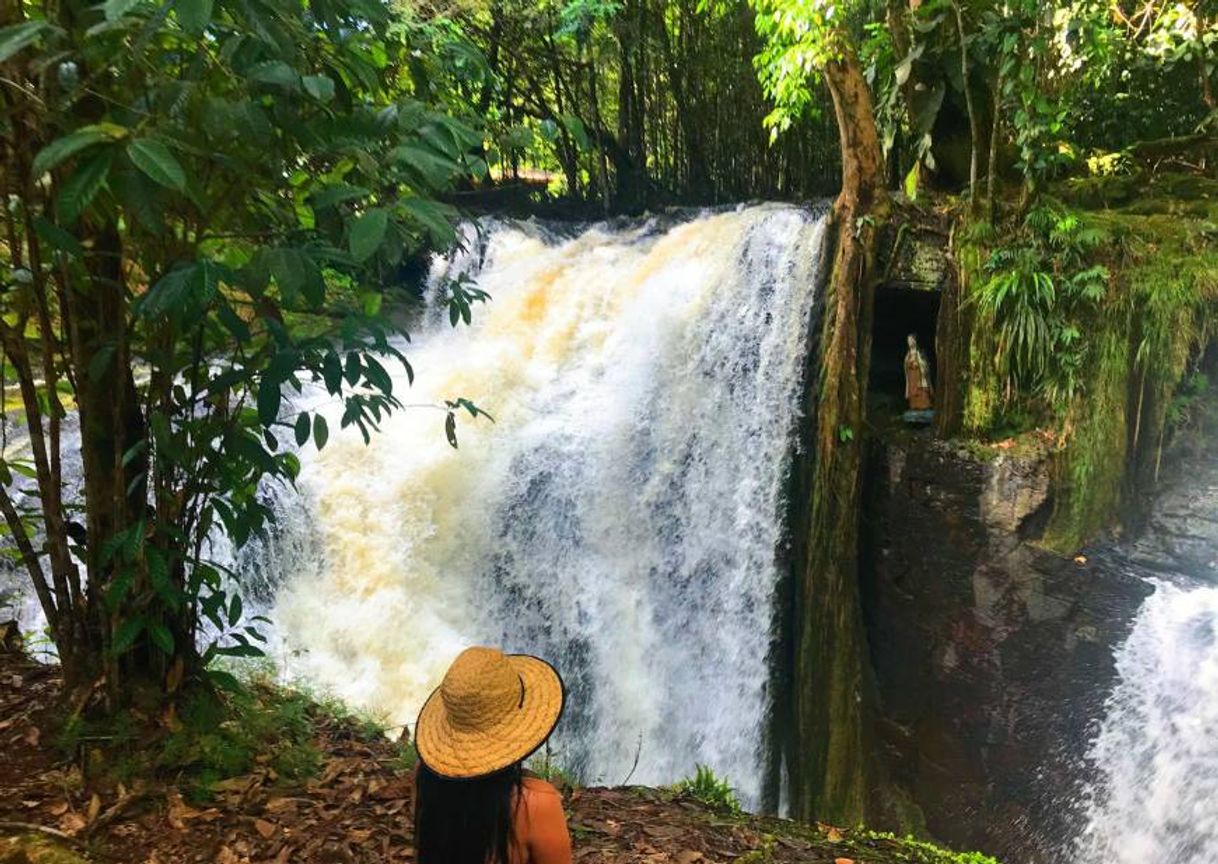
{"type": "Point", "coordinates": [57, 809]}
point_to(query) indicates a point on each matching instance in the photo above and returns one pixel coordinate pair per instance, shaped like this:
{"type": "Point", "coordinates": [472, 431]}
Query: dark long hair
{"type": "Point", "coordinates": [465, 821]}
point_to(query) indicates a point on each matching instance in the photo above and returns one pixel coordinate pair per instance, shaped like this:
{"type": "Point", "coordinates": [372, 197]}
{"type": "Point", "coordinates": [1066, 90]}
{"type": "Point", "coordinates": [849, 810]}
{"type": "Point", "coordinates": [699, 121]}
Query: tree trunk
{"type": "Point", "coordinates": [110, 425]}
{"type": "Point", "coordinates": [830, 778]}
{"type": "Point", "coordinates": [1203, 65]}
{"type": "Point", "coordinates": [991, 183]}
{"type": "Point", "coordinates": [974, 123]}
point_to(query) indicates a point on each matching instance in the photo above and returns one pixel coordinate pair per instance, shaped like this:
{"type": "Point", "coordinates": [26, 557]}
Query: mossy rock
{"type": "Point", "coordinates": [1186, 187]}
{"type": "Point", "coordinates": [1100, 193]}
{"type": "Point", "coordinates": [1157, 206]}
{"type": "Point", "coordinates": [37, 849]}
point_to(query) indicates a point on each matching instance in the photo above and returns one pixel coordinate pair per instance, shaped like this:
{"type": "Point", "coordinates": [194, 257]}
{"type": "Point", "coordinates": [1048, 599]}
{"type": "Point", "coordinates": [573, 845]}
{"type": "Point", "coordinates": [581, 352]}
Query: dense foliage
{"type": "Point", "coordinates": [206, 203]}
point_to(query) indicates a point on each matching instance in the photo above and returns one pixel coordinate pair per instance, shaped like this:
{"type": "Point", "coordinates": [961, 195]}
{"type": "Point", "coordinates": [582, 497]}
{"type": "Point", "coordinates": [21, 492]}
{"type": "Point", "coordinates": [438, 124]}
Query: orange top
{"type": "Point", "coordinates": [540, 826]}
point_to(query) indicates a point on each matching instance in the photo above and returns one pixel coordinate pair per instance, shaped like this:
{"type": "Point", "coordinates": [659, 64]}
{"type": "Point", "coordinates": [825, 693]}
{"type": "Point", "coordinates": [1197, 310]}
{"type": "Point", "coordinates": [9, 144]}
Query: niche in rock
{"type": "Point", "coordinates": [900, 310]}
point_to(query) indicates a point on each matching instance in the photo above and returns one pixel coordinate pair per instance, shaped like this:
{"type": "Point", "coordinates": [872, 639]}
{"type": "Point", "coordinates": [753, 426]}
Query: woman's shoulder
{"type": "Point", "coordinates": [536, 786]}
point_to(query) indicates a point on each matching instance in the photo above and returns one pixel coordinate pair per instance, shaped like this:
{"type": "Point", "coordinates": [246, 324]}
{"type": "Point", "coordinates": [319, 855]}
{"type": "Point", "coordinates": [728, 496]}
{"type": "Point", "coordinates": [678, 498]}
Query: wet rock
{"type": "Point", "coordinates": [992, 655]}
{"type": "Point", "coordinates": [1181, 535]}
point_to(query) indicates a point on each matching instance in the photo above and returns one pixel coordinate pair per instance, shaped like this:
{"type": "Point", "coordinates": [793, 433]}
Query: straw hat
{"type": "Point", "coordinates": [491, 711]}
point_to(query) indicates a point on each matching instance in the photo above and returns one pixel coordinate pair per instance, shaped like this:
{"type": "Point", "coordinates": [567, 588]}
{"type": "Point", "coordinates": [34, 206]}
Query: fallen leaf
{"type": "Point", "coordinates": [94, 809]}
{"type": "Point", "coordinates": [689, 856]}
{"type": "Point", "coordinates": [843, 861]}
{"type": "Point", "coordinates": [285, 855]}
{"type": "Point", "coordinates": [32, 736]}
{"type": "Point", "coordinates": [235, 784]}
{"type": "Point", "coordinates": [71, 823]}
{"type": "Point", "coordinates": [833, 835]}
{"type": "Point", "coordinates": [58, 808]}
{"type": "Point", "coordinates": [179, 812]}
{"type": "Point", "coordinates": [266, 829]}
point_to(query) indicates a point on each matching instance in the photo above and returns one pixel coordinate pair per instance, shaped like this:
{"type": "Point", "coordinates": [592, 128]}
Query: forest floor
{"type": "Point", "coordinates": [57, 807]}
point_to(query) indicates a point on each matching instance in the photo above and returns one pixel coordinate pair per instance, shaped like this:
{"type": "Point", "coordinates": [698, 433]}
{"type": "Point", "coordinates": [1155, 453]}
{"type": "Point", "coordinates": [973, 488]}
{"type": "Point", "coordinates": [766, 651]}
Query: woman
{"type": "Point", "coordinates": [473, 803]}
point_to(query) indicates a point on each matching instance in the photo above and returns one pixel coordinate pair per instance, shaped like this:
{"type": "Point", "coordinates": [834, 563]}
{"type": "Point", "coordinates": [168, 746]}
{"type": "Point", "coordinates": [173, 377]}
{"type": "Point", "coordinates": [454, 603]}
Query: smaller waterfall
{"type": "Point", "coordinates": [1156, 755]}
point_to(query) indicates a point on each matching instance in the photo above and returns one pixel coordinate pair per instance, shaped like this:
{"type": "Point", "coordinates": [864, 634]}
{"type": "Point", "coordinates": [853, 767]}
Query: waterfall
{"type": "Point", "coordinates": [1155, 797]}
{"type": "Point", "coordinates": [623, 514]}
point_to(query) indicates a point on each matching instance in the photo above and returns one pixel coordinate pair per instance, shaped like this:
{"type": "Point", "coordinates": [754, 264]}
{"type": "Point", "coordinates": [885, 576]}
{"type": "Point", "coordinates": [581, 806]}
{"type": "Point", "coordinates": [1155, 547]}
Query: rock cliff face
{"type": "Point", "coordinates": [1181, 533]}
{"type": "Point", "coordinates": [992, 657]}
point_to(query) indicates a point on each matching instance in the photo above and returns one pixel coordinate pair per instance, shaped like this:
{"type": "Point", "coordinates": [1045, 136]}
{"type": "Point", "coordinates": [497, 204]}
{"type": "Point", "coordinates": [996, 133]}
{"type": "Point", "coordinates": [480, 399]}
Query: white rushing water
{"type": "Point", "coordinates": [621, 516]}
{"type": "Point", "coordinates": [1156, 755]}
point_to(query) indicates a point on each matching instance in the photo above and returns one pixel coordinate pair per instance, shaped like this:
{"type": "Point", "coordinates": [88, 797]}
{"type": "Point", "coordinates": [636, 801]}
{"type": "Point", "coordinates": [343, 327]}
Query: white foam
{"type": "Point", "coordinates": [621, 515]}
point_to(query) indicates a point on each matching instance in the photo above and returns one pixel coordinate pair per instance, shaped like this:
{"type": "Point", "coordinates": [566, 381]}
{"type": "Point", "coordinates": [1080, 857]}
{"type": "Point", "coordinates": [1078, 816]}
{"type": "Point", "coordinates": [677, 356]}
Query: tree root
{"type": "Point", "coordinates": [33, 828]}
{"type": "Point", "coordinates": [117, 809]}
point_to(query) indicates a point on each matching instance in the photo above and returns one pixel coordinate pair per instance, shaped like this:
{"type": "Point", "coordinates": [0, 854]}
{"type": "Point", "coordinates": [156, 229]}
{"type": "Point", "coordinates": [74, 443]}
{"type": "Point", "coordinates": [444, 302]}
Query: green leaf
{"type": "Point", "coordinates": [67, 146]}
{"type": "Point", "coordinates": [240, 651]}
{"type": "Point", "coordinates": [450, 429]}
{"type": "Point", "coordinates": [294, 272]}
{"type": "Point", "coordinates": [275, 72]}
{"type": "Point", "coordinates": [24, 469]}
{"type": "Point", "coordinates": [321, 432]}
{"type": "Point", "coordinates": [431, 168]}
{"type": "Point", "coordinates": [115, 9]}
{"type": "Point", "coordinates": [154, 159]}
{"type": "Point", "coordinates": [302, 428]}
{"type": "Point", "coordinates": [353, 368]}
{"type": "Point", "coordinates": [320, 87]}
{"type": "Point", "coordinates": [377, 376]}
{"type": "Point", "coordinates": [224, 680]}
{"type": "Point", "coordinates": [184, 293]}
{"type": "Point", "coordinates": [17, 36]}
{"type": "Point", "coordinates": [332, 372]}
{"type": "Point", "coordinates": [337, 194]}
{"type": "Point", "coordinates": [125, 635]}
{"type": "Point", "coordinates": [371, 302]}
{"type": "Point", "coordinates": [234, 610]}
{"type": "Point", "coordinates": [83, 185]}
{"type": "Point", "coordinates": [575, 127]}
{"type": "Point", "coordinates": [194, 15]}
{"type": "Point", "coordinates": [118, 588]}
{"type": "Point", "coordinates": [57, 237]}
{"type": "Point", "coordinates": [269, 397]}
{"type": "Point", "coordinates": [141, 198]}
{"type": "Point", "coordinates": [232, 322]}
{"type": "Point", "coordinates": [161, 636]}
{"type": "Point", "coordinates": [367, 232]}
{"type": "Point", "coordinates": [433, 217]}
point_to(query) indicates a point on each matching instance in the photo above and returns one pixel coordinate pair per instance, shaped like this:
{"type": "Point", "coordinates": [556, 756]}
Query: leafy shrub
{"type": "Point", "coordinates": [1036, 295]}
{"type": "Point", "coordinates": [711, 790]}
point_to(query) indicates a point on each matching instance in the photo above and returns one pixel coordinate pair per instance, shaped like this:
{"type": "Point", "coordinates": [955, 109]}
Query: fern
{"type": "Point", "coordinates": [710, 790]}
{"type": "Point", "coordinates": [1037, 290]}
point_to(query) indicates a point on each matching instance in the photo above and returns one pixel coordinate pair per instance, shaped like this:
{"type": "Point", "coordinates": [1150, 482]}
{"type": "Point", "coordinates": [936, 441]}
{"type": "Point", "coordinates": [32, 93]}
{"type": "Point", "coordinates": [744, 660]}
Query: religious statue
{"type": "Point", "coordinates": [918, 389]}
